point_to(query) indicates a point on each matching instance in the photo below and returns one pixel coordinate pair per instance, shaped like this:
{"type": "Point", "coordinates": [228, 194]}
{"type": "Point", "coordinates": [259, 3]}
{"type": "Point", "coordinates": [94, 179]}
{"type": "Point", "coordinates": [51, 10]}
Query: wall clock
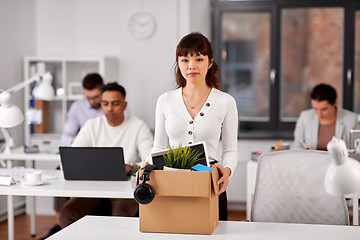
{"type": "Point", "coordinates": [142, 25]}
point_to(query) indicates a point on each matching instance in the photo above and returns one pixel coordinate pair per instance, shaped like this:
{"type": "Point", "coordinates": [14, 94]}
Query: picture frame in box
{"type": "Point", "coordinates": [158, 158]}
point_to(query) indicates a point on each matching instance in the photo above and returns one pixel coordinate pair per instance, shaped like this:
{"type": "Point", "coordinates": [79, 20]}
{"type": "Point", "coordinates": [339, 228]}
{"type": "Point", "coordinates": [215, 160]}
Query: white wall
{"type": "Point", "coordinates": [95, 27]}
{"type": "Point", "coordinates": [17, 38]}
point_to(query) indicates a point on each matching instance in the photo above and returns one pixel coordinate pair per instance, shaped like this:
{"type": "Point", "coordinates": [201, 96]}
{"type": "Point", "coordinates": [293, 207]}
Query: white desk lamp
{"type": "Point", "coordinates": [343, 174]}
{"type": "Point", "coordinates": [11, 115]}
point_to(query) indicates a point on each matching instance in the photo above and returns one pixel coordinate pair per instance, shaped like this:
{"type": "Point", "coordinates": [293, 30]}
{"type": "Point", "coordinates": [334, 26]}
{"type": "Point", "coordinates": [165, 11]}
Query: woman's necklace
{"type": "Point", "coordinates": [193, 106]}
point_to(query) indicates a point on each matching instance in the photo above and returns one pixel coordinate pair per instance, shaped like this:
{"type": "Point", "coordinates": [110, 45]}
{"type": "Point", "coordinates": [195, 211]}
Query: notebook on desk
{"type": "Point", "coordinates": [93, 163]}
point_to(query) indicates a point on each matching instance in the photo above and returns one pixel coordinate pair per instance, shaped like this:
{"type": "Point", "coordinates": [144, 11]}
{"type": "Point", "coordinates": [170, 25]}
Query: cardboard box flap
{"type": "Point", "coordinates": [215, 178]}
{"type": "Point", "coordinates": [181, 183]}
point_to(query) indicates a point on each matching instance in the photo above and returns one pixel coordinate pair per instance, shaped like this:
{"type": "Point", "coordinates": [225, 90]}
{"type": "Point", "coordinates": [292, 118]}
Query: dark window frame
{"type": "Point", "coordinates": [275, 128]}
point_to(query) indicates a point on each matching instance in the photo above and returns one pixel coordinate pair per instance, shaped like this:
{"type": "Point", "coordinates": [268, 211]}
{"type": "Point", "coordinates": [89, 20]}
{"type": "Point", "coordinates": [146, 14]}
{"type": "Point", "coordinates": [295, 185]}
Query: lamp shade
{"type": "Point", "coordinates": [343, 175]}
{"type": "Point", "coordinates": [10, 115]}
{"type": "Point", "coordinates": [45, 91]}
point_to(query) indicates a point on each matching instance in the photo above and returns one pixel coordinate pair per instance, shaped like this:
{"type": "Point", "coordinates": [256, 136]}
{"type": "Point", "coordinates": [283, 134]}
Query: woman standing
{"type": "Point", "coordinates": [197, 111]}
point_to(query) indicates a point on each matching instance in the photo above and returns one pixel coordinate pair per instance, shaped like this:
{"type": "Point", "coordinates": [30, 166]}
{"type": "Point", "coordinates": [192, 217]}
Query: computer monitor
{"type": "Point", "coordinates": [354, 134]}
{"type": "Point", "coordinates": [93, 163]}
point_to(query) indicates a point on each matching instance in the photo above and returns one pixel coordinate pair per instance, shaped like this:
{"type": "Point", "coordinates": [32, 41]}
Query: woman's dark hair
{"type": "Point", "coordinates": [114, 86]}
{"type": "Point", "coordinates": [195, 43]}
{"type": "Point", "coordinates": [322, 92]}
{"type": "Point", "coordinates": [92, 81]}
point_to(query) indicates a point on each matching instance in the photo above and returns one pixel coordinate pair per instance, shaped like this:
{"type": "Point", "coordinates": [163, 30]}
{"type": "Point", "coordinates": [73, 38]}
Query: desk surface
{"type": "Point", "coordinates": [96, 227]}
{"type": "Point", "coordinates": [19, 154]}
{"type": "Point", "coordinates": [61, 188]}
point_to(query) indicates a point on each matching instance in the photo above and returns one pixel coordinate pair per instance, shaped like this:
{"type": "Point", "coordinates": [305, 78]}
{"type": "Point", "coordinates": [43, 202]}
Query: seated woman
{"type": "Point", "coordinates": [315, 127]}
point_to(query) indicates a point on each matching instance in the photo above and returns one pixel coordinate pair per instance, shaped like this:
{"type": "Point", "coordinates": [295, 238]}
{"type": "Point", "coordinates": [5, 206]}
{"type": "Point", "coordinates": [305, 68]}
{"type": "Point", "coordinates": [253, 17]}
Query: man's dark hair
{"type": "Point", "coordinates": [92, 81]}
{"type": "Point", "coordinates": [114, 86]}
{"type": "Point", "coordinates": [322, 92]}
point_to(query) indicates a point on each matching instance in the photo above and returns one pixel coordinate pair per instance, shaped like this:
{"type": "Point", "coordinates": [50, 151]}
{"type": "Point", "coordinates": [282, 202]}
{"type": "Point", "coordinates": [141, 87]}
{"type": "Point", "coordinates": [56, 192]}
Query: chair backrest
{"type": "Point", "coordinates": [290, 189]}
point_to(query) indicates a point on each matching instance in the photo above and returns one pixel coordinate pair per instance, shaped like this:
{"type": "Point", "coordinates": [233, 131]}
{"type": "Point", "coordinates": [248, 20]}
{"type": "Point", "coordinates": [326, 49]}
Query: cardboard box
{"type": "Point", "coordinates": [44, 106]}
{"type": "Point", "coordinates": [185, 202]}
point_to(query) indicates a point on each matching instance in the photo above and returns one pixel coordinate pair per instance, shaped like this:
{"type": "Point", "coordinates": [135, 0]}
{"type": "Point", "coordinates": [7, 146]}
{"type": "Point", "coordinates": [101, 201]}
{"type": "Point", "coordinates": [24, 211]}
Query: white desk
{"type": "Point", "coordinates": [114, 228]}
{"type": "Point", "coordinates": [18, 154]}
{"type": "Point", "coordinates": [62, 188]}
{"type": "Point", "coordinates": [251, 171]}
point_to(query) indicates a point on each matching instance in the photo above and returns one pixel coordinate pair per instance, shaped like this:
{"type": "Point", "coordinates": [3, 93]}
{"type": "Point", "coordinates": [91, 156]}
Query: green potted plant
{"type": "Point", "coordinates": [134, 170]}
{"type": "Point", "coordinates": [181, 157]}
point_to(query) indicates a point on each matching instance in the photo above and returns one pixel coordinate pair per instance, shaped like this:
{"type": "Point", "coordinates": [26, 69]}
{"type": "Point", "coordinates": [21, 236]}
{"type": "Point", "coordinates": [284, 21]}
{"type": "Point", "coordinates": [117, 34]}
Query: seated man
{"type": "Point", "coordinates": [114, 129]}
{"type": "Point", "coordinates": [315, 127]}
{"type": "Point", "coordinates": [84, 109]}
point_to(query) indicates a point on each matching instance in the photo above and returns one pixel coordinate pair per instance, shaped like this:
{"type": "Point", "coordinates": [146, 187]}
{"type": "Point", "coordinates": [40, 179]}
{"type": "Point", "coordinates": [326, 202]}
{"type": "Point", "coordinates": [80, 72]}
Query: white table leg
{"type": "Point", "coordinates": [32, 216]}
{"type": "Point", "coordinates": [355, 198]}
{"type": "Point", "coordinates": [10, 208]}
{"type": "Point", "coordinates": [251, 169]}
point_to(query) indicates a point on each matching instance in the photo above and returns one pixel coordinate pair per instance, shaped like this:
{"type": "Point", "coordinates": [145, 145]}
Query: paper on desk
{"type": "Point", "coordinates": [6, 181]}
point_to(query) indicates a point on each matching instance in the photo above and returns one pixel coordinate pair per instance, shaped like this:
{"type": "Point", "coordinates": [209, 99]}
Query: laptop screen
{"type": "Point", "coordinates": [93, 163]}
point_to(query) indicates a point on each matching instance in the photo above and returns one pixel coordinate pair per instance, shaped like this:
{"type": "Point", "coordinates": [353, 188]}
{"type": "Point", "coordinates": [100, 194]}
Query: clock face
{"type": "Point", "coordinates": [142, 25]}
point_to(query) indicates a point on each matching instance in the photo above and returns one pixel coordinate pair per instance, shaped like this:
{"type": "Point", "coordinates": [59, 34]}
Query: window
{"type": "Point", "coordinates": [272, 53]}
{"type": "Point", "coordinates": [311, 53]}
{"type": "Point", "coordinates": [245, 62]}
{"type": "Point", "coordinates": [357, 63]}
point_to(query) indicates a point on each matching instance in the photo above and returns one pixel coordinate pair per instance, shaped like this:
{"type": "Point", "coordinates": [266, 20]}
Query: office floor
{"type": "Point", "coordinates": [22, 227]}
{"type": "Point", "coordinates": [44, 223]}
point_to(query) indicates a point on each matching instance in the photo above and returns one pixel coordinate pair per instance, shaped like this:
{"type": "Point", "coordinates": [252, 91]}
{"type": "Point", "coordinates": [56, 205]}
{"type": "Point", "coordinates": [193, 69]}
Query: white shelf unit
{"type": "Point", "coordinates": [65, 70]}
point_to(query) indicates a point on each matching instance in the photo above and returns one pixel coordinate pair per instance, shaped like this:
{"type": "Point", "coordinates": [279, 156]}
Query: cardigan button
{"type": "Point", "coordinates": [190, 132]}
{"type": "Point", "coordinates": [191, 122]}
{"type": "Point", "coordinates": [201, 114]}
{"type": "Point", "coordinates": [190, 143]}
{"type": "Point", "coordinates": [208, 104]}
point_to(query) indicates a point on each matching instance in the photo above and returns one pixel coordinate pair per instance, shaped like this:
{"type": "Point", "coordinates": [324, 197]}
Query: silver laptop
{"type": "Point", "coordinates": [93, 163]}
